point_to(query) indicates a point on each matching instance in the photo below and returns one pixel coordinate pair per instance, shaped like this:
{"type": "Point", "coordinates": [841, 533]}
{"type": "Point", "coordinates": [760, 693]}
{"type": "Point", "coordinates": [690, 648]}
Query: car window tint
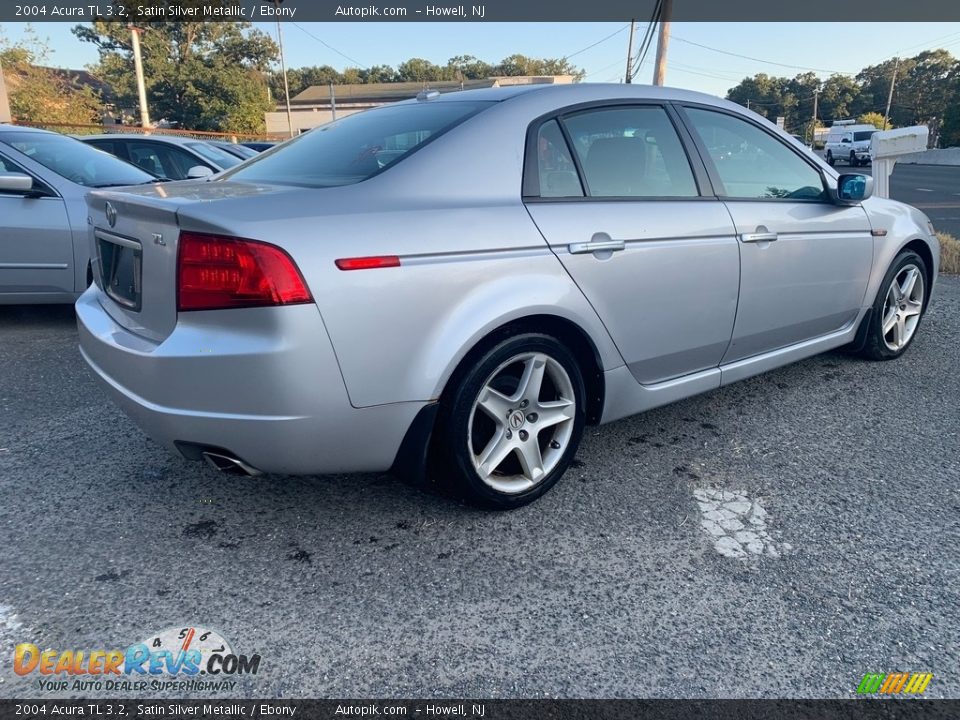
{"type": "Point", "coordinates": [355, 147]}
{"type": "Point", "coordinates": [558, 174]}
{"type": "Point", "coordinates": [162, 160]}
{"type": "Point", "coordinates": [630, 152]}
{"type": "Point", "coordinates": [751, 163]}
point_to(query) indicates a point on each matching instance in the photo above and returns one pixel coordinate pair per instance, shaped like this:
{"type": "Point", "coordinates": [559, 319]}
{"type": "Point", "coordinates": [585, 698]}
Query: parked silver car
{"type": "Point", "coordinates": [463, 282]}
{"type": "Point", "coordinates": [167, 156]}
{"type": "Point", "coordinates": [44, 244]}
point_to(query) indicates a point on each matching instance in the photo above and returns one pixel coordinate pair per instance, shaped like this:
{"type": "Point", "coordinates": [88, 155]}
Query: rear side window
{"type": "Point", "coordinates": [863, 135]}
{"type": "Point", "coordinates": [630, 152]}
{"type": "Point", "coordinates": [558, 174]}
{"type": "Point", "coordinates": [356, 147]}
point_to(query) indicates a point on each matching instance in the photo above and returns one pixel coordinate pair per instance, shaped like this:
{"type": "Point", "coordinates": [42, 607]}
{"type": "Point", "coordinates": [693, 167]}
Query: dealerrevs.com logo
{"type": "Point", "coordinates": [178, 658]}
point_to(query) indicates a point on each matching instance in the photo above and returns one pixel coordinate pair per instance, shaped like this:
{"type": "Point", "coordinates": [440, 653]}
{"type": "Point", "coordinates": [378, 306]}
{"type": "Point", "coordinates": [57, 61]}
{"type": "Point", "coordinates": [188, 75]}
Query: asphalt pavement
{"type": "Point", "coordinates": [610, 586]}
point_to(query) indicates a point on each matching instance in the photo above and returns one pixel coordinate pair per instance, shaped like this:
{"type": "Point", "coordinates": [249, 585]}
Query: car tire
{"type": "Point", "coordinates": [829, 159]}
{"type": "Point", "coordinates": [495, 447]}
{"type": "Point", "coordinates": [900, 311]}
{"type": "Point", "coordinates": [853, 159]}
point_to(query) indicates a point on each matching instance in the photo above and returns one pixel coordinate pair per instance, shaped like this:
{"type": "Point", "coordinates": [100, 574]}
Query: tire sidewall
{"type": "Point", "coordinates": [875, 346]}
{"type": "Point", "coordinates": [456, 407]}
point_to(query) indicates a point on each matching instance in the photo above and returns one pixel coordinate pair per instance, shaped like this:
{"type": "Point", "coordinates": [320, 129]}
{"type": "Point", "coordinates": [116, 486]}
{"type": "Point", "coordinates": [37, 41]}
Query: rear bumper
{"type": "Point", "coordinates": [262, 383]}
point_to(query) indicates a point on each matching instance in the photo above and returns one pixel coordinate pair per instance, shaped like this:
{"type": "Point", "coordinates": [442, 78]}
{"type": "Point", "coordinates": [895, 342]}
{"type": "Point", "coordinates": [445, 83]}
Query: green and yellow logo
{"type": "Point", "coordinates": [894, 683]}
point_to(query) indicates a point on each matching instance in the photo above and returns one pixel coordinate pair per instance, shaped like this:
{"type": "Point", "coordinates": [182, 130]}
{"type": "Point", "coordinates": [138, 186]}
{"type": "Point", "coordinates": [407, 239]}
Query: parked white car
{"type": "Point", "coordinates": [849, 142]}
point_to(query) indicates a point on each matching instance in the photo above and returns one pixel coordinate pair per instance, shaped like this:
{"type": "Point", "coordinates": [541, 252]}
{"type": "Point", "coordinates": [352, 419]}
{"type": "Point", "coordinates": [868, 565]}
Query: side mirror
{"type": "Point", "coordinates": [854, 188]}
{"type": "Point", "coordinates": [15, 183]}
{"type": "Point", "coordinates": [199, 171]}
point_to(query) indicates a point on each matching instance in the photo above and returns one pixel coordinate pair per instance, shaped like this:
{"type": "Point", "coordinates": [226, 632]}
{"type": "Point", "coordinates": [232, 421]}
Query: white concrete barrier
{"type": "Point", "coordinates": [887, 146]}
{"type": "Point", "coordinates": [938, 156]}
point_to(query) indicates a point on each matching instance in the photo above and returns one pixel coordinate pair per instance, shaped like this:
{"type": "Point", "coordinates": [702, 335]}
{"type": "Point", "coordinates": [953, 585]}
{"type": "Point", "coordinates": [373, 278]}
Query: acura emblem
{"type": "Point", "coordinates": [111, 212]}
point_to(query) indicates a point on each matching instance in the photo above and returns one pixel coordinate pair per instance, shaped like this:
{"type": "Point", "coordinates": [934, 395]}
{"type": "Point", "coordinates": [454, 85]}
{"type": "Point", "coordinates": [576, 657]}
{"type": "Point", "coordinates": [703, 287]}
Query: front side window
{"type": "Point", "coordinates": [355, 147]}
{"type": "Point", "coordinates": [753, 164]}
{"type": "Point", "coordinates": [630, 152]}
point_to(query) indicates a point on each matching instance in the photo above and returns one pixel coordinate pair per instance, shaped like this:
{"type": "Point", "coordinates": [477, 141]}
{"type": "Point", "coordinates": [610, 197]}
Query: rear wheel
{"type": "Point", "coordinates": [898, 308]}
{"type": "Point", "coordinates": [511, 422]}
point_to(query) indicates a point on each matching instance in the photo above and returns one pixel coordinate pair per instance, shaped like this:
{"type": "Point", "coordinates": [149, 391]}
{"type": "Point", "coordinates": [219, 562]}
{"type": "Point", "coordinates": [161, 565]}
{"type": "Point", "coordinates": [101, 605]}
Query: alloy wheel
{"type": "Point", "coordinates": [902, 307]}
{"type": "Point", "coordinates": [521, 422]}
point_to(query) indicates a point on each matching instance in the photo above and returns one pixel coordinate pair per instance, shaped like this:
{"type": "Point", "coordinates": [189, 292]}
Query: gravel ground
{"type": "Point", "coordinates": [613, 585]}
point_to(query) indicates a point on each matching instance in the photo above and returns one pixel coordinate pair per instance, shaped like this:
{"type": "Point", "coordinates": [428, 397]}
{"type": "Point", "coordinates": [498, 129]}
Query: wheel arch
{"type": "Point", "coordinates": [921, 248]}
{"type": "Point", "coordinates": [568, 332]}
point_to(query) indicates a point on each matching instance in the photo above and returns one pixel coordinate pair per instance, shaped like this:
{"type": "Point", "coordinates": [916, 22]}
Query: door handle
{"type": "Point", "coordinates": [596, 246]}
{"type": "Point", "coordinates": [755, 237]}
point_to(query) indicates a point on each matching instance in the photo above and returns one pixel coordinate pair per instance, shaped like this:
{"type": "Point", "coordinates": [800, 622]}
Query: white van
{"type": "Point", "coordinates": [849, 142]}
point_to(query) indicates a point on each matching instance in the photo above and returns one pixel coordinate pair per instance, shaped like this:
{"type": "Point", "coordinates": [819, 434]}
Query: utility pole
{"type": "Point", "coordinates": [333, 103]}
{"type": "Point", "coordinates": [628, 78]}
{"type": "Point", "coordinates": [283, 68]}
{"type": "Point", "coordinates": [813, 123]}
{"type": "Point", "coordinates": [748, 103]}
{"type": "Point", "coordinates": [138, 67]}
{"type": "Point", "coordinates": [893, 80]}
{"type": "Point", "coordinates": [660, 72]}
{"type": "Point", "coordinates": [5, 115]}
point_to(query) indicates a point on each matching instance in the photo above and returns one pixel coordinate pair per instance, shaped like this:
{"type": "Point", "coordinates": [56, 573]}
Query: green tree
{"type": "Point", "coordinates": [39, 94]}
{"type": "Point", "coordinates": [875, 119]}
{"type": "Point", "coordinates": [203, 75]}
{"type": "Point", "coordinates": [837, 97]}
{"type": "Point", "coordinates": [761, 93]}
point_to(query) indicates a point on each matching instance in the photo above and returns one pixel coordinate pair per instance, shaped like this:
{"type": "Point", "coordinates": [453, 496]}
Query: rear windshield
{"type": "Point", "coordinates": [356, 147]}
{"type": "Point", "coordinates": [219, 157]}
{"type": "Point", "coordinates": [863, 135]}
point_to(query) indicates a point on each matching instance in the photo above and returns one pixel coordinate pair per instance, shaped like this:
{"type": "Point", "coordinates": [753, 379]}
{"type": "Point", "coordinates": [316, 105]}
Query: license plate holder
{"type": "Point", "coordinates": [121, 269]}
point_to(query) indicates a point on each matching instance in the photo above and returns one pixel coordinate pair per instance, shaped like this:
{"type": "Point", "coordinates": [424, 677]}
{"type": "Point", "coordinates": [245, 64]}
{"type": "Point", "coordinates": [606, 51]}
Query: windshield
{"type": "Point", "coordinates": [863, 135]}
{"type": "Point", "coordinates": [356, 147]}
{"type": "Point", "coordinates": [220, 158]}
{"type": "Point", "coordinates": [74, 160]}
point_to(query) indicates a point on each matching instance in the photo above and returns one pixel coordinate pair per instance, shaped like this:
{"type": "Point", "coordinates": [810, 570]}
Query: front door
{"type": "Point", "coordinates": [36, 243]}
{"type": "Point", "coordinates": [804, 261]}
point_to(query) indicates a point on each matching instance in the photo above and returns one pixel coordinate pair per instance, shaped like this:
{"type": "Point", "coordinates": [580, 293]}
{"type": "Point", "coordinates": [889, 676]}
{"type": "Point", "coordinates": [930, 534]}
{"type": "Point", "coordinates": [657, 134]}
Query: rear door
{"type": "Point", "coordinates": [804, 260]}
{"type": "Point", "coordinates": [615, 194]}
{"type": "Point", "coordinates": [36, 243]}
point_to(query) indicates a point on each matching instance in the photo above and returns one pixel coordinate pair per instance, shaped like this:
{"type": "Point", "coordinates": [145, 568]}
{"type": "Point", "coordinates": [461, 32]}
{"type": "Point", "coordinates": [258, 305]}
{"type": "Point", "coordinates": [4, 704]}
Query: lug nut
{"type": "Point", "coordinates": [524, 434]}
{"type": "Point", "coordinates": [532, 417]}
{"type": "Point", "coordinates": [524, 403]}
{"type": "Point", "coordinates": [509, 434]}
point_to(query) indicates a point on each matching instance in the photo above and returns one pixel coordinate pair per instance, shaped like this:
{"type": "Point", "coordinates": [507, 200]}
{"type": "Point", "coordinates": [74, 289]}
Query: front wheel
{"type": "Point", "coordinates": [511, 422]}
{"type": "Point", "coordinates": [853, 159]}
{"type": "Point", "coordinates": [829, 158]}
{"type": "Point", "coordinates": [898, 308]}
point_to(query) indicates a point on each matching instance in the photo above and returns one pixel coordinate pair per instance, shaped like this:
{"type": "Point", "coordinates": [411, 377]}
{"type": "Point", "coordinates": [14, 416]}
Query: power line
{"type": "Point", "coordinates": [601, 40]}
{"type": "Point", "coordinates": [647, 37]}
{"type": "Point", "coordinates": [767, 62]}
{"type": "Point", "coordinates": [328, 45]}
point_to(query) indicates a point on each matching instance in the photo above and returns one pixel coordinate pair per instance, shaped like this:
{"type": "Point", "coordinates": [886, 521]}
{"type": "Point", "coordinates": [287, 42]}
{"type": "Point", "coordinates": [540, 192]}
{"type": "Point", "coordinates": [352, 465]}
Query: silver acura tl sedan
{"type": "Point", "coordinates": [454, 286]}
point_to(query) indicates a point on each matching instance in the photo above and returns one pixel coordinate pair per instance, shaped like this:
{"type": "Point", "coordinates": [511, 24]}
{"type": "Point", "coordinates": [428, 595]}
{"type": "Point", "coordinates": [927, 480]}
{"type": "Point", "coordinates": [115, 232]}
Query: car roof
{"type": "Point", "coordinates": [572, 92]}
{"type": "Point", "coordinates": [20, 128]}
{"type": "Point", "coordinates": [173, 139]}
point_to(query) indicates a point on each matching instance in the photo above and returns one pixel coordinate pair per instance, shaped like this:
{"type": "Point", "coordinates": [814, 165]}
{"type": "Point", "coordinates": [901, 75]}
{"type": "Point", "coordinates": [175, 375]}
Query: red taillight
{"type": "Point", "coordinates": [216, 272]}
{"type": "Point", "coordinates": [368, 263]}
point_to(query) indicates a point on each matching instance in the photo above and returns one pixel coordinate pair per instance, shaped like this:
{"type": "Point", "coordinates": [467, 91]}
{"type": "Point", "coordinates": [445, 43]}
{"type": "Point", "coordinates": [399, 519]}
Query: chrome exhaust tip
{"type": "Point", "coordinates": [229, 464]}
